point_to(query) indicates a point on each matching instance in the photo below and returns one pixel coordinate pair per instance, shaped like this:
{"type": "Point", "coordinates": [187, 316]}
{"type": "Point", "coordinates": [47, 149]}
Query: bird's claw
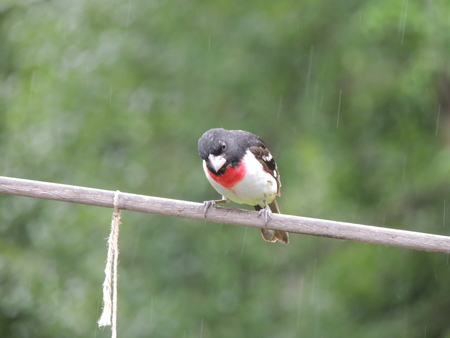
{"type": "Point", "coordinates": [207, 205]}
{"type": "Point", "coordinates": [214, 203]}
{"type": "Point", "coordinates": [266, 213]}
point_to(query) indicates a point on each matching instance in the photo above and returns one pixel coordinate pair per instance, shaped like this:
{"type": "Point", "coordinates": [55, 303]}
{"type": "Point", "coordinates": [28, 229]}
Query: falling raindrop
{"type": "Point", "coordinates": [201, 329]}
{"type": "Point", "coordinates": [313, 282]}
{"type": "Point", "coordinates": [244, 240]}
{"type": "Point", "coordinates": [438, 117]}
{"type": "Point", "coordinates": [402, 23]}
{"type": "Point", "coordinates": [300, 299]}
{"type": "Point", "coordinates": [110, 95]}
{"type": "Point", "coordinates": [151, 310]}
{"type": "Point", "coordinates": [443, 216]}
{"type": "Point", "coordinates": [65, 32]}
{"type": "Point", "coordinates": [339, 109]}
{"type": "Point", "coordinates": [31, 87]}
{"type": "Point", "coordinates": [405, 158]}
{"type": "Point", "coordinates": [280, 103]}
{"type": "Point", "coordinates": [128, 17]}
{"type": "Point", "coordinates": [308, 74]}
{"type": "Point", "coordinates": [316, 89]}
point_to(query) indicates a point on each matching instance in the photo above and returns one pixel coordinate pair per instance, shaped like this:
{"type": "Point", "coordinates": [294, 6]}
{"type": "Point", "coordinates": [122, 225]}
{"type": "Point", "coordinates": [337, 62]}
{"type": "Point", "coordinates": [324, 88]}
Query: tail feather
{"type": "Point", "coordinates": [270, 235]}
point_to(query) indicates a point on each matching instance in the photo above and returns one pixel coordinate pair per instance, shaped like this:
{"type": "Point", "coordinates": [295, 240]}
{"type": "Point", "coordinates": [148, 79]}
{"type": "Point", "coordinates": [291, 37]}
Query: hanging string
{"type": "Point", "coordinates": [109, 314]}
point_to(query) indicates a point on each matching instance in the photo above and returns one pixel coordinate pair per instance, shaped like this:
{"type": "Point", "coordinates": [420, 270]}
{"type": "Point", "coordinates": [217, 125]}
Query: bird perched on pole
{"type": "Point", "coordinates": [239, 166]}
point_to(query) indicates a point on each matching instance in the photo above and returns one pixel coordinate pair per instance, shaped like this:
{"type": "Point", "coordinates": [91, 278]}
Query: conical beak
{"type": "Point", "coordinates": [216, 162]}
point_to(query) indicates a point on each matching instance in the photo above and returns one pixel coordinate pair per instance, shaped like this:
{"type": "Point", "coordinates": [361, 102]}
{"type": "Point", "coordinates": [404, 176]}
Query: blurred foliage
{"type": "Point", "coordinates": [353, 99]}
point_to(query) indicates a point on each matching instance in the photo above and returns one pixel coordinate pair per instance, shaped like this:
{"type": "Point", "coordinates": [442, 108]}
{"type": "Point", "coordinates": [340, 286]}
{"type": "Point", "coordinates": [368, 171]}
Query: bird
{"type": "Point", "coordinates": [239, 166]}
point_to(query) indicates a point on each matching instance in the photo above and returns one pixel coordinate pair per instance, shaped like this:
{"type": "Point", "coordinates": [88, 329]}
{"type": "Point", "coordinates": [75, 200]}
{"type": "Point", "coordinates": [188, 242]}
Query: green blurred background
{"type": "Point", "coordinates": [353, 99]}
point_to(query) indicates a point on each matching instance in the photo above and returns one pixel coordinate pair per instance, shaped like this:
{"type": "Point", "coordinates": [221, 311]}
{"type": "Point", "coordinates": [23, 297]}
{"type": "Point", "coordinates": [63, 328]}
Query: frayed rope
{"type": "Point", "coordinates": [109, 314]}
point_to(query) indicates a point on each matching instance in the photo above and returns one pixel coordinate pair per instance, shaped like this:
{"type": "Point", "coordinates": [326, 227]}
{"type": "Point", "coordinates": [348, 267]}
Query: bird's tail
{"type": "Point", "coordinates": [270, 235]}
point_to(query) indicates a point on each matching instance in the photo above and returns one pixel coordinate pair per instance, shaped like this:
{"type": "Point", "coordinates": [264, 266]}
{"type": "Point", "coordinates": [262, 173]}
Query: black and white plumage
{"type": "Point", "coordinates": [239, 166]}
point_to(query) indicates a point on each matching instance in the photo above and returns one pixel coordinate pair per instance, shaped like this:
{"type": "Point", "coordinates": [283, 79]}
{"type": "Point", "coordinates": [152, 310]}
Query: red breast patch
{"type": "Point", "coordinates": [230, 176]}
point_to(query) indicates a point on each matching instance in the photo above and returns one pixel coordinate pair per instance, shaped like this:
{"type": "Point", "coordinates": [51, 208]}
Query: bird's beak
{"type": "Point", "coordinates": [216, 162]}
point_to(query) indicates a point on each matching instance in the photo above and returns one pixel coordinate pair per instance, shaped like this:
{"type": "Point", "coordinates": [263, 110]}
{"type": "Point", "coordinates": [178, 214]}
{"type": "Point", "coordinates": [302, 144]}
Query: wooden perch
{"type": "Point", "coordinates": [184, 209]}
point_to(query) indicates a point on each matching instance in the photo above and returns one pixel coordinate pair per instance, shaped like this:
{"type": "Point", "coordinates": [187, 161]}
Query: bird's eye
{"type": "Point", "coordinates": [224, 146]}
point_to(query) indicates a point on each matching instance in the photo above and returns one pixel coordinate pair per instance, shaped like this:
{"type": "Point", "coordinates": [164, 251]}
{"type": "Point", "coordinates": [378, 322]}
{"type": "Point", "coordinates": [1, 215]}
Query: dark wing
{"type": "Point", "coordinates": [264, 156]}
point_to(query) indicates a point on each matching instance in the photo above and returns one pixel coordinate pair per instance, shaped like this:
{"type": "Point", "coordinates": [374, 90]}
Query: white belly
{"type": "Point", "coordinates": [255, 187]}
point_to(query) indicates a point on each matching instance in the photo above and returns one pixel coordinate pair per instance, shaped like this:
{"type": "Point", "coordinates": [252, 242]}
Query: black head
{"type": "Point", "coordinates": [220, 147]}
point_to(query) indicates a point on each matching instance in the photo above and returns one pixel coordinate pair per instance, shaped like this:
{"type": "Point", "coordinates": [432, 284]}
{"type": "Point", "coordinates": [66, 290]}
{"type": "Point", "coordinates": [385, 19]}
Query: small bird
{"type": "Point", "coordinates": [239, 166]}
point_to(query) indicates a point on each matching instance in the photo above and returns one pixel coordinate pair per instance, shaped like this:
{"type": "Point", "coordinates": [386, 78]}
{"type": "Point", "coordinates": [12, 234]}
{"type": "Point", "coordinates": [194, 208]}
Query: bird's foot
{"type": "Point", "coordinates": [214, 203]}
{"type": "Point", "coordinates": [207, 205]}
{"type": "Point", "coordinates": [266, 213]}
